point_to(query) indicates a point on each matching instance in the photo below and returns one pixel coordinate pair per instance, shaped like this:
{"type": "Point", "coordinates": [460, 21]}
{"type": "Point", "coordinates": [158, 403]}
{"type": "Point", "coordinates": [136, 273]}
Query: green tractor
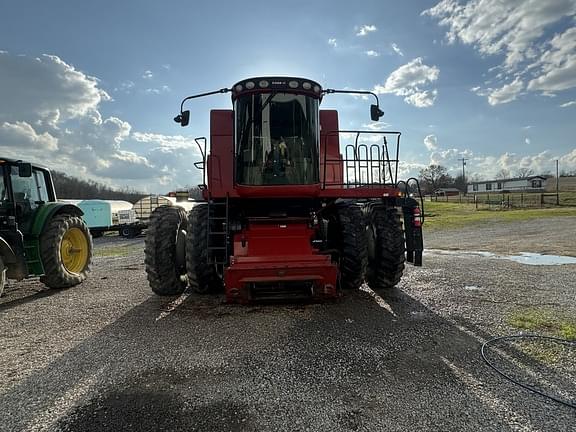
{"type": "Point", "coordinates": [38, 235]}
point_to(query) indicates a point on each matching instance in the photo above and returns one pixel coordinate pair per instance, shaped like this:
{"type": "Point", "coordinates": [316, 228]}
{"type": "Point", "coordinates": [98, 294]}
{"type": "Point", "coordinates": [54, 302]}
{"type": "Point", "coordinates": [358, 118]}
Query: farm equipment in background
{"type": "Point", "coordinates": [287, 213]}
{"type": "Point", "coordinates": [39, 236]}
{"type": "Point", "coordinates": [103, 216]}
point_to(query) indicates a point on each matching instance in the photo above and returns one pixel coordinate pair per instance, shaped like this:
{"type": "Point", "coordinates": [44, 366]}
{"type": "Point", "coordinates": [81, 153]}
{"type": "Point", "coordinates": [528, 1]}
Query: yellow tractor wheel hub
{"type": "Point", "coordinates": [74, 250]}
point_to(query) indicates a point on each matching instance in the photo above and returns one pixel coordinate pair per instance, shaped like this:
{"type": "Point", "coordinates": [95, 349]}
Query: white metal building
{"type": "Point", "coordinates": [526, 184]}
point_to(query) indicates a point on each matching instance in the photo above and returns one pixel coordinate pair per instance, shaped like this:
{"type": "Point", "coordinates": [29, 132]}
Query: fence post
{"type": "Point", "coordinates": [541, 200]}
{"type": "Point", "coordinates": [522, 200]}
{"type": "Point", "coordinates": [476, 201]}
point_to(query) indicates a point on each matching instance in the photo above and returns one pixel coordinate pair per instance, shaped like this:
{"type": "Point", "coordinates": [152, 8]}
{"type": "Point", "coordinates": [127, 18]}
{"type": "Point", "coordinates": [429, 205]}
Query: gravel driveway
{"type": "Point", "coordinates": [109, 355]}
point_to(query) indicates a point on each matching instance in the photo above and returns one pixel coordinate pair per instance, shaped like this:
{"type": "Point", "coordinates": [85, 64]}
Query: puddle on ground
{"type": "Point", "coordinates": [528, 258]}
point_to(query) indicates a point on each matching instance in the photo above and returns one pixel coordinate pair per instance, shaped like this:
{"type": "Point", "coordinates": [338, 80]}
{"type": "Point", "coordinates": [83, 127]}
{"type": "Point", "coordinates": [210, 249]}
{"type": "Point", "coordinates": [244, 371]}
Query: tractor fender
{"type": "Point", "coordinates": [6, 252]}
{"type": "Point", "coordinates": [16, 267]}
{"type": "Point", "coordinates": [46, 212]}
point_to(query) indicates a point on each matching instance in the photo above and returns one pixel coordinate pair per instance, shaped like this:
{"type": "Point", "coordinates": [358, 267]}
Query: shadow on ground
{"type": "Point", "coordinates": [350, 365]}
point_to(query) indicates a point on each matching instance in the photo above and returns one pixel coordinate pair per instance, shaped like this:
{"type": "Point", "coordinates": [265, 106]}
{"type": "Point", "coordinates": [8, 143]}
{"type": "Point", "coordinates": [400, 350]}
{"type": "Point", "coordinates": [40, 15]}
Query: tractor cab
{"type": "Point", "coordinates": [38, 235]}
{"type": "Point", "coordinates": [23, 190]}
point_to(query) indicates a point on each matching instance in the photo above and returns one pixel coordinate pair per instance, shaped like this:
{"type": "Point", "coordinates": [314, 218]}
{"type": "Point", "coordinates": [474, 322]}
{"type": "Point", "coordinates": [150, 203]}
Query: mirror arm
{"type": "Point", "coordinates": [329, 91]}
{"type": "Point", "coordinates": [223, 90]}
{"type": "Point", "coordinates": [375, 115]}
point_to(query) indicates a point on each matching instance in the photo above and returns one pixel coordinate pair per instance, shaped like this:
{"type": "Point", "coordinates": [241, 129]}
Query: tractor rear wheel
{"type": "Point", "coordinates": [346, 233]}
{"type": "Point", "coordinates": [165, 251]}
{"type": "Point", "coordinates": [202, 275]}
{"type": "Point", "coordinates": [386, 248]}
{"type": "Point", "coordinates": [66, 251]}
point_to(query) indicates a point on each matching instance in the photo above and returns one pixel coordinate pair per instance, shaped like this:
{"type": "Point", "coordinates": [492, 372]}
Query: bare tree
{"type": "Point", "coordinates": [525, 172]}
{"type": "Point", "coordinates": [434, 177]}
{"type": "Point", "coordinates": [503, 174]}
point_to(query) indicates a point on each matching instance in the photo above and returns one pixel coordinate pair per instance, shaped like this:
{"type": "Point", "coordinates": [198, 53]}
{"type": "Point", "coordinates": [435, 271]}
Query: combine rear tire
{"type": "Point", "coordinates": [165, 252]}
{"type": "Point", "coordinates": [346, 232]}
{"type": "Point", "coordinates": [202, 275]}
{"type": "Point", "coordinates": [66, 251]}
{"type": "Point", "coordinates": [385, 248]}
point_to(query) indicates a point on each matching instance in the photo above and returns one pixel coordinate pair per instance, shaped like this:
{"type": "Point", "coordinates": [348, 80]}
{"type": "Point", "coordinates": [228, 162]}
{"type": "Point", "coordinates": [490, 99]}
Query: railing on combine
{"type": "Point", "coordinates": [369, 161]}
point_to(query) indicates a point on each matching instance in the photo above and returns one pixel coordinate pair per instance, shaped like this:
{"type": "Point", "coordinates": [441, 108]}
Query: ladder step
{"type": "Point", "coordinates": [216, 218]}
{"type": "Point", "coordinates": [218, 232]}
{"type": "Point", "coordinates": [217, 247]}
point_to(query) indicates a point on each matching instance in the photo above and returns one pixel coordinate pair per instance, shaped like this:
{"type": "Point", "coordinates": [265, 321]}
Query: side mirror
{"type": "Point", "coordinates": [183, 118]}
{"type": "Point", "coordinates": [24, 169]}
{"type": "Point", "coordinates": [375, 112]}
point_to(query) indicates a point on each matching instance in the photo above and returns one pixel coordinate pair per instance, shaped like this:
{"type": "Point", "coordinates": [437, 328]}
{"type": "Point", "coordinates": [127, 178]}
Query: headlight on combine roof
{"type": "Point", "coordinates": [250, 85]}
{"type": "Point", "coordinates": [239, 88]}
{"type": "Point", "coordinates": [316, 89]}
{"type": "Point", "coordinates": [263, 83]}
{"type": "Point", "coordinates": [306, 86]}
{"type": "Point", "coordinates": [293, 84]}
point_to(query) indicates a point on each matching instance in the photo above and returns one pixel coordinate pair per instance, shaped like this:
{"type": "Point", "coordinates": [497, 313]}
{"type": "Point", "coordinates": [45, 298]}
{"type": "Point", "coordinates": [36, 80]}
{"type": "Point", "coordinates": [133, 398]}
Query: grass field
{"type": "Point", "coordinates": [441, 215]}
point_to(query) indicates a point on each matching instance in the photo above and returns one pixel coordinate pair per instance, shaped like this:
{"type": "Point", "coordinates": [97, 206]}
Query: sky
{"type": "Point", "coordinates": [91, 88]}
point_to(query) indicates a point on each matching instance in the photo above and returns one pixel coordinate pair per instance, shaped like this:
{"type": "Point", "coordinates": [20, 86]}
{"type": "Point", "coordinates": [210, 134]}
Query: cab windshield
{"type": "Point", "coordinates": [276, 139]}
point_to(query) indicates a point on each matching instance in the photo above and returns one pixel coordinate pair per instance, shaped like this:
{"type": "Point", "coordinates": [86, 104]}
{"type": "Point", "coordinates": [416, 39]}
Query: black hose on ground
{"type": "Point", "coordinates": [571, 404]}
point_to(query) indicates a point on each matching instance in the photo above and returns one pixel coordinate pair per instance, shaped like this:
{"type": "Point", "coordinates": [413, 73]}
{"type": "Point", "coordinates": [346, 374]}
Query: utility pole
{"type": "Point", "coordinates": [463, 159]}
{"type": "Point", "coordinates": [557, 185]}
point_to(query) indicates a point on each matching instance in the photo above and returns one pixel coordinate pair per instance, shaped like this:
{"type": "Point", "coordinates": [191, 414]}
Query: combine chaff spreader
{"type": "Point", "coordinates": [294, 208]}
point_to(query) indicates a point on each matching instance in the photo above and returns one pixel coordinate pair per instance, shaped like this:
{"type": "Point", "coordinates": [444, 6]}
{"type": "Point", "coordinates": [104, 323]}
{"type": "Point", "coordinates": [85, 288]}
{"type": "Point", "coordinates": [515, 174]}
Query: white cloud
{"type": "Point", "coordinates": [506, 93]}
{"type": "Point", "coordinates": [431, 142]}
{"type": "Point", "coordinates": [397, 50]}
{"type": "Point", "coordinates": [52, 111]}
{"type": "Point", "coordinates": [489, 166]}
{"type": "Point", "coordinates": [376, 126]}
{"type": "Point", "coordinates": [21, 135]}
{"type": "Point", "coordinates": [408, 81]}
{"type": "Point", "coordinates": [449, 157]}
{"type": "Point", "coordinates": [35, 89]}
{"type": "Point", "coordinates": [332, 42]}
{"type": "Point", "coordinates": [568, 161]}
{"type": "Point", "coordinates": [527, 141]}
{"type": "Point", "coordinates": [372, 53]}
{"type": "Point", "coordinates": [568, 104]}
{"type": "Point", "coordinates": [518, 30]}
{"type": "Point", "coordinates": [558, 65]}
{"type": "Point", "coordinates": [148, 74]}
{"type": "Point", "coordinates": [422, 99]}
{"type": "Point", "coordinates": [159, 90]}
{"type": "Point", "coordinates": [365, 29]}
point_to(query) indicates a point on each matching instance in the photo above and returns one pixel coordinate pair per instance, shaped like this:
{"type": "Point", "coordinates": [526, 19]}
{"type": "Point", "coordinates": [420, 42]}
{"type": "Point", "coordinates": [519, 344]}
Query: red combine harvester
{"type": "Point", "coordinates": [289, 210]}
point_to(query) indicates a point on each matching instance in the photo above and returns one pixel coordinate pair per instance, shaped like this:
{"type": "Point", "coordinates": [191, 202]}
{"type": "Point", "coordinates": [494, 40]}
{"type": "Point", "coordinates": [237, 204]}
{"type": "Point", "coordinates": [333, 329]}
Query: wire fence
{"type": "Point", "coordinates": [505, 201]}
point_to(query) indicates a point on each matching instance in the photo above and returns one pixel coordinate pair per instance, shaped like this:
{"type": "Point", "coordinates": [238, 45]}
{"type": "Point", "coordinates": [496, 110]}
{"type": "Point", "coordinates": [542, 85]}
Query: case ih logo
{"type": "Point", "coordinates": [278, 82]}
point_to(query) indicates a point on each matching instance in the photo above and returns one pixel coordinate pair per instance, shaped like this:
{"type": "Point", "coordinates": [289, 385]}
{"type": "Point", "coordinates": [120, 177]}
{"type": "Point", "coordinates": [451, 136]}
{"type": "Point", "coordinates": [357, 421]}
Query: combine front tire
{"type": "Point", "coordinates": [202, 275]}
{"type": "Point", "coordinates": [66, 251]}
{"type": "Point", "coordinates": [165, 251]}
{"type": "Point", "coordinates": [385, 248]}
{"type": "Point", "coordinates": [346, 232]}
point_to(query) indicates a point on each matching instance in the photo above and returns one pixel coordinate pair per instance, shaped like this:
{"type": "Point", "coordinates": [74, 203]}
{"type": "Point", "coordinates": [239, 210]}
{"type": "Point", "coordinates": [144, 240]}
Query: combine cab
{"type": "Point", "coordinates": [293, 207]}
